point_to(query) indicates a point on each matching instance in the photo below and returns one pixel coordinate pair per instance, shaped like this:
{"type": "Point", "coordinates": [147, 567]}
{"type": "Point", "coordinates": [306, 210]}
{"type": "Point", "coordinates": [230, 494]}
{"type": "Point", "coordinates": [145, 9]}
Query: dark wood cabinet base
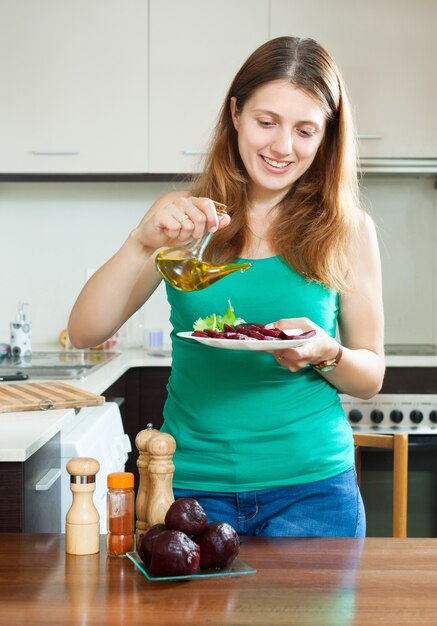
{"type": "Point", "coordinates": [23, 509]}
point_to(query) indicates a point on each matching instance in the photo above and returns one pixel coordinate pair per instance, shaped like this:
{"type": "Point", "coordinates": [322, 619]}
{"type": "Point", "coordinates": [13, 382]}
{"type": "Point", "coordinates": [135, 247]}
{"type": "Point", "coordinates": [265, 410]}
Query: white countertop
{"type": "Point", "coordinates": [23, 433]}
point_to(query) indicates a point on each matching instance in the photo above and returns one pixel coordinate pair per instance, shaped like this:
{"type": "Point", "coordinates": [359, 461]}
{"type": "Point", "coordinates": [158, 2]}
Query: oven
{"type": "Point", "coordinates": [407, 403]}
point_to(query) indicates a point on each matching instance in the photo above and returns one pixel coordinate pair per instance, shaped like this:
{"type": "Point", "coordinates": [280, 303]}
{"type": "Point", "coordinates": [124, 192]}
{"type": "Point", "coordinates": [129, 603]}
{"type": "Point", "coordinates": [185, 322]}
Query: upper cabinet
{"type": "Point", "coordinates": [110, 87]}
{"type": "Point", "coordinates": [74, 86]}
{"type": "Point", "coordinates": [387, 52]}
{"type": "Point", "coordinates": [196, 47]}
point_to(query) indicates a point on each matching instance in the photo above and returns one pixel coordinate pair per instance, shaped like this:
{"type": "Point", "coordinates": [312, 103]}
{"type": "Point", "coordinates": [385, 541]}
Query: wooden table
{"type": "Point", "coordinates": [302, 582]}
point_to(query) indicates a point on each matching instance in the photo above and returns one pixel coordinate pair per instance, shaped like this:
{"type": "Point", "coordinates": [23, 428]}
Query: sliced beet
{"type": "Point", "coordinates": [255, 331]}
{"type": "Point", "coordinates": [248, 326]}
{"type": "Point", "coordinates": [271, 332]}
{"type": "Point", "coordinates": [243, 330]}
{"type": "Point", "coordinates": [255, 334]}
{"type": "Point", "coordinates": [228, 329]}
{"type": "Point", "coordinates": [305, 335]}
{"type": "Point", "coordinates": [216, 334]}
{"type": "Point", "coordinates": [238, 336]}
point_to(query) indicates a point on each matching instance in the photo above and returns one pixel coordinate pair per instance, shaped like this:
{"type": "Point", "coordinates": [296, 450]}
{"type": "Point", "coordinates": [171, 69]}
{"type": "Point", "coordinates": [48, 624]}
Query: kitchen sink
{"type": "Point", "coordinates": [49, 372]}
{"type": "Point", "coordinates": [77, 364]}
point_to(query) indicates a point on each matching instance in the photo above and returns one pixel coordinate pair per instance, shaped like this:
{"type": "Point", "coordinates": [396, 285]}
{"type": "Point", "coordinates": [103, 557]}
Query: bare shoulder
{"type": "Point", "coordinates": [365, 235]}
{"type": "Point", "coordinates": [364, 255]}
{"type": "Point", "coordinates": [366, 225]}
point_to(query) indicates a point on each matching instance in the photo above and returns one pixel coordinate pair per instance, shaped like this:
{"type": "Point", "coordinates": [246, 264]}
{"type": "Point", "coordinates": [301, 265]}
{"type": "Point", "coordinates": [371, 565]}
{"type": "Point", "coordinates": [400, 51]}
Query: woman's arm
{"type": "Point", "coordinates": [128, 279]}
{"type": "Point", "coordinates": [112, 294]}
{"type": "Point", "coordinates": [360, 371]}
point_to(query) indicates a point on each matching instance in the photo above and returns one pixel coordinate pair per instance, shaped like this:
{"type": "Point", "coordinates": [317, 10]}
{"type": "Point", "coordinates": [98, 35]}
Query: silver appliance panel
{"type": "Point", "coordinates": [390, 413]}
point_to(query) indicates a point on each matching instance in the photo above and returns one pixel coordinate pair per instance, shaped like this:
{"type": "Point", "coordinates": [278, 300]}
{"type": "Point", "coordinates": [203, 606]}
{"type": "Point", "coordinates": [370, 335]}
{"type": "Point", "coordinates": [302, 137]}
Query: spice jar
{"type": "Point", "coordinates": [120, 513]}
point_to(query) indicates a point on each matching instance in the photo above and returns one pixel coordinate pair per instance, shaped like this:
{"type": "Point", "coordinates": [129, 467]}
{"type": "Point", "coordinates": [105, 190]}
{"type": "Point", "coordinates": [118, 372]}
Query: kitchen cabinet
{"type": "Point", "coordinates": [144, 391]}
{"type": "Point", "coordinates": [196, 47]}
{"type": "Point", "coordinates": [30, 492]}
{"type": "Point", "coordinates": [387, 53]}
{"type": "Point", "coordinates": [74, 86]}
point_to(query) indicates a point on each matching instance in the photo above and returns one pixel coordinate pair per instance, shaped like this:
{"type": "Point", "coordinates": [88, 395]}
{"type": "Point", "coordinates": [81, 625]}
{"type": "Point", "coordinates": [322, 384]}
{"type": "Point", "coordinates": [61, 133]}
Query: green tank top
{"type": "Point", "coordinates": [241, 421]}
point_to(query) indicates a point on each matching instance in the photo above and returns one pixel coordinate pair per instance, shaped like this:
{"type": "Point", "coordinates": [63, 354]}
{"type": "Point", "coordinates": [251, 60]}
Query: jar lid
{"type": "Point", "coordinates": [121, 480]}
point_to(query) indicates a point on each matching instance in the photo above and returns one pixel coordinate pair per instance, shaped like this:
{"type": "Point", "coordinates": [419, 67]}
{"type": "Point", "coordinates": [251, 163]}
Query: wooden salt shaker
{"type": "Point", "coordinates": [161, 469]}
{"type": "Point", "coordinates": [82, 522]}
{"type": "Point", "coordinates": [142, 442]}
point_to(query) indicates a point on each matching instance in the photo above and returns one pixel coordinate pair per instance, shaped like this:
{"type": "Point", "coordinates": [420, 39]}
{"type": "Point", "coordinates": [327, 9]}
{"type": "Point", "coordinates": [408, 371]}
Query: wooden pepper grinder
{"type": "Point", "coordinates": [82, 522]}
{"type": "Point", "coordinates": [142, 442]}
{"type": "Point", "coordinates": [161, 469]}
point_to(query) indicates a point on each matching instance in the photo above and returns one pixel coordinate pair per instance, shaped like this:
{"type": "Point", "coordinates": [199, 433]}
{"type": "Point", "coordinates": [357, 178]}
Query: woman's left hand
{"type": "Point", "coordinates": [321, 348]}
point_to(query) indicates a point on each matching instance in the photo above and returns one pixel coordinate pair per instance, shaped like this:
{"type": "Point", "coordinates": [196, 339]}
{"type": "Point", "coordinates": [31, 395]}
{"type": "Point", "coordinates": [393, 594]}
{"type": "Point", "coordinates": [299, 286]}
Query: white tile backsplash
{"type": "Point", "coordinates": [53, 233]}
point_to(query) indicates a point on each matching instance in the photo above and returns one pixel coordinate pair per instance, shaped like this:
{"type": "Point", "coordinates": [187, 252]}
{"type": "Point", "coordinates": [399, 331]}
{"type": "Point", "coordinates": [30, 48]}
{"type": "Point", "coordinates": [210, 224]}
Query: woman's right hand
{"type": "Point", "coordinates": [176, 218]}
{"type": "Point", "coordinates": [96, 316]}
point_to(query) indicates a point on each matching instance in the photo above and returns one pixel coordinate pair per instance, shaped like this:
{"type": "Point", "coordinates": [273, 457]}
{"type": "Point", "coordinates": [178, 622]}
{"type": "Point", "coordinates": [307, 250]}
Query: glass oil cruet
{"type": "Point", "coordinates": [184, 267]}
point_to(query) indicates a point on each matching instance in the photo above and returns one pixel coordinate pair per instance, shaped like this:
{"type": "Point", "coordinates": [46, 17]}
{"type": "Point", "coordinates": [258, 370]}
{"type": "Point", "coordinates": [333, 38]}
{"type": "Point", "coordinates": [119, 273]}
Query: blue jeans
{"type": "Point", "coordinates": [326, 508]}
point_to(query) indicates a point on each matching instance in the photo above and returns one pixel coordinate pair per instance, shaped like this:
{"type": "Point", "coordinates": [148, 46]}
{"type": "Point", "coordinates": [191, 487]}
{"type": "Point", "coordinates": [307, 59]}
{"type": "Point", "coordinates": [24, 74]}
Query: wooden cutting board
{"type": "Point", "coordinates": [44, 396]}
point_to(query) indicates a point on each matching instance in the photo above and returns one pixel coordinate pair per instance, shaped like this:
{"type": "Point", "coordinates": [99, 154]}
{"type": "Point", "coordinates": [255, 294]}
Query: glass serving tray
{"type": "Point", "coordinates": [238, 568]}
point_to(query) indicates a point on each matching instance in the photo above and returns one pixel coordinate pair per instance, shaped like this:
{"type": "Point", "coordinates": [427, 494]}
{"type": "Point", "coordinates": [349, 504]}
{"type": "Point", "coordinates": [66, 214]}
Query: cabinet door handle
{"type": "Point", "coordinates": [121, 446]}
{"type": "Point", "coordinates": [369, 136]}
{"type": "Point", "coordinates": [55, 152]}
{"type": "Point", "coordinates": [48, 480]}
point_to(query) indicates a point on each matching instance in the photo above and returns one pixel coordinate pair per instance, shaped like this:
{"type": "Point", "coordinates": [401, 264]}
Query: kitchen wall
{"type": "Point", "coordinates": [404, 209]}
{"type": "Point", "coordinates": [52, 234]}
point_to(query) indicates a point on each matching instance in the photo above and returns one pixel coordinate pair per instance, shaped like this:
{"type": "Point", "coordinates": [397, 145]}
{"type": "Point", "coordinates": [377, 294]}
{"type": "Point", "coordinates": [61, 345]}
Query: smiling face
{"type": "Point", "coordinates": [279, 132]}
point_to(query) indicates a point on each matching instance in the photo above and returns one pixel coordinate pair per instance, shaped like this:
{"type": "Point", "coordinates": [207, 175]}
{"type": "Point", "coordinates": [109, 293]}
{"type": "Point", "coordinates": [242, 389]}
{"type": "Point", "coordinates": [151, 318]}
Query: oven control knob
{"type": "Point", "coordinates": [416, 416]}
{"type": "Point", "coordinates": [376, 416]}
{"type": "Point", "coordinates": [433, 417]}
{"type": "Point", "coordinates": [396, 416]}
{"type": "Point", "coordinates": [355, 416]}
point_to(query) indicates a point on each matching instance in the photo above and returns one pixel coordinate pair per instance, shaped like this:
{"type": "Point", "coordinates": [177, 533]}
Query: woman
{"type": "Point", "coordinates": [262, 440]}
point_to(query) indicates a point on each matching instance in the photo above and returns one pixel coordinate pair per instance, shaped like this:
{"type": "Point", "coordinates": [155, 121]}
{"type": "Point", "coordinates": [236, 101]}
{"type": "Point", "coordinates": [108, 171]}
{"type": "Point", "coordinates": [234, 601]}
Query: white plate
{"type": "Point", "coordinates": [256, 345]}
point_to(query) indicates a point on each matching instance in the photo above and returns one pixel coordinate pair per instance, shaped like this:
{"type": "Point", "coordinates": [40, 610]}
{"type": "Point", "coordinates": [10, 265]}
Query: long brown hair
{"type": "Point", "coordinates": [316, 218]}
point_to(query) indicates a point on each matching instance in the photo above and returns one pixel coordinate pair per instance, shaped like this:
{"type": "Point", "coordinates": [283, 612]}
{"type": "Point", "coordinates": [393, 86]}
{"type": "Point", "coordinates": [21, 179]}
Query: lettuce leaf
{"type": "Point", "coordinates": [215, 321]}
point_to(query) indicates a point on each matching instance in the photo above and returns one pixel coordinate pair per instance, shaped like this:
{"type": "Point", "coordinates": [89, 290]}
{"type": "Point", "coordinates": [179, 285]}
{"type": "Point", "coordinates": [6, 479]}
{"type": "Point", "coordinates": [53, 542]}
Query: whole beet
{"type": "Point", "coordinates": [146, 542]}
{"type": "Point", "coordinates": [187, 515]}
{"type": "Point", "coordinates": [174, 554]}
{"type": "Point", "coordinates": [219, 545]}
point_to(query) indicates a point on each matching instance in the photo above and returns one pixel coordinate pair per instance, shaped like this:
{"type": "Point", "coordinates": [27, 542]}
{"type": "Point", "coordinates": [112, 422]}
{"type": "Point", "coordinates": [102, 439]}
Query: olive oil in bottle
{"type": "Point", "coordinates": [192, 274]}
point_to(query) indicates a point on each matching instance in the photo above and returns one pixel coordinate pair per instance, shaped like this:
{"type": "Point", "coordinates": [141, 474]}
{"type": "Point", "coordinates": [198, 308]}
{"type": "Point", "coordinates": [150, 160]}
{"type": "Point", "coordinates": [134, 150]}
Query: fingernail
{"type": "Point", "coordinates": [213, 229]}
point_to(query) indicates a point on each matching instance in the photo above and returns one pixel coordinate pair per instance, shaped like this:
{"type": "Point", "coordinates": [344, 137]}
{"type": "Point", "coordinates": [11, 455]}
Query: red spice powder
{"type": "Point", "coordinates": [121, 524]}
{"type": "Point", "coordinates": [118, 545]}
